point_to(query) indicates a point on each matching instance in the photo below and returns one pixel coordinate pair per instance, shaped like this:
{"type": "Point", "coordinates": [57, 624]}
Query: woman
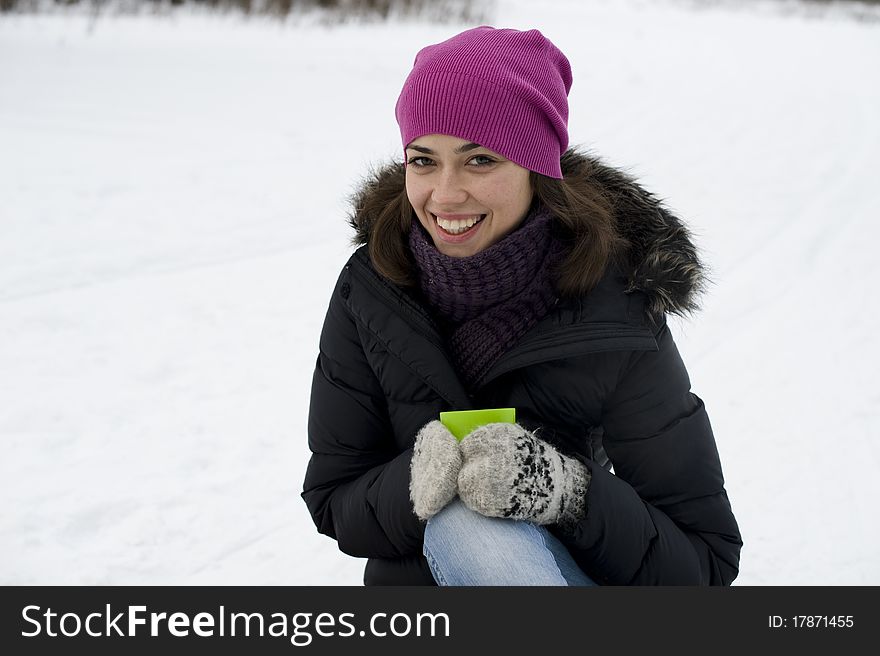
{"type": "Point", "coordinates": [499, 269]}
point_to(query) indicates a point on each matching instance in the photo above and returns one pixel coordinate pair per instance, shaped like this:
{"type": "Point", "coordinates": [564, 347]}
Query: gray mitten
{"type": "Point", "coordinates": [508, 472]}
{"type": "Point", "coordinates": [436, 461]}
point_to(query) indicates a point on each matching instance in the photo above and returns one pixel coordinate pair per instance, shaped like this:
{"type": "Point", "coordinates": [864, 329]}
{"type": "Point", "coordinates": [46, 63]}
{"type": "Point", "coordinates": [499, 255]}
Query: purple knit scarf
{"type": "Point", "coordinates": [489, 300]}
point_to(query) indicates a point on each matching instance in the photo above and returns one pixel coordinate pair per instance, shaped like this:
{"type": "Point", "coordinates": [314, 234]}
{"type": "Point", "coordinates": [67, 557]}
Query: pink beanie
{"type": "Point", "coordinates": [504, 89]}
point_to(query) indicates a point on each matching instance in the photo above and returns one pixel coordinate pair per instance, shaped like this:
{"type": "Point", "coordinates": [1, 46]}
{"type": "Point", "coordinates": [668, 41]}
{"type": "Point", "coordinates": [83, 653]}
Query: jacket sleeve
{"type": "Point", "coordinates": [663, 516]}
{"type": "Point", "coordinates": [357, 483]}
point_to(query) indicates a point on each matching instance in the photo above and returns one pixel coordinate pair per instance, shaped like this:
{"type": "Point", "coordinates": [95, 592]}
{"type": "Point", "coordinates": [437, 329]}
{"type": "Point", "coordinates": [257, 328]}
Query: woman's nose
{"type": "Point", "coordinates": [448, 189]}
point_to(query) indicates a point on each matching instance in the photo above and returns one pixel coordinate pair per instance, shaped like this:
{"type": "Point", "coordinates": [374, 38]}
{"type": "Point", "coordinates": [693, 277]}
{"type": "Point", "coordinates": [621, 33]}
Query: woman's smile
{"type": "Point", "coordinates": [457, 228]}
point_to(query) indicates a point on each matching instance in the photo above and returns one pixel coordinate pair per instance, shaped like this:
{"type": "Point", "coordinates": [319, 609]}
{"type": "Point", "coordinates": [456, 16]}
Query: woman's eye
{"type": "Point", "coordinates": [419, 161]}
{"type": "Point", "coordinates": [481, 160]}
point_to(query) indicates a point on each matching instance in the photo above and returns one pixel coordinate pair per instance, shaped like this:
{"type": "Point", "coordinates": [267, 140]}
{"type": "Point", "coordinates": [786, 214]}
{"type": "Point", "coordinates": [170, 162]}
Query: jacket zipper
{"type": "Point", "coordinates": [622, 336]}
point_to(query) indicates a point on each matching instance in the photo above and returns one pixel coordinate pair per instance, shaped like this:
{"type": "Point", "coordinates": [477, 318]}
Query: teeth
{"type": "Point", "coordinates": [458, 226]}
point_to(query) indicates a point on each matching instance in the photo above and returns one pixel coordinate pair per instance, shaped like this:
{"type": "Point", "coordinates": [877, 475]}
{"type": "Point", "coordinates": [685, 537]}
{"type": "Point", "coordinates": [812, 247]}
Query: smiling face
{"type": "Point", "coordinates": [467, 197]}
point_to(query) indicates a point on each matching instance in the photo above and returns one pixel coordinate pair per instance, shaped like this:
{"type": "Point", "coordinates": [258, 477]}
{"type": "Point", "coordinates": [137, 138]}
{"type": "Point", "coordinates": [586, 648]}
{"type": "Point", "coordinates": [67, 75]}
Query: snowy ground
{"type": "Point", "coordinates": [172, 220]}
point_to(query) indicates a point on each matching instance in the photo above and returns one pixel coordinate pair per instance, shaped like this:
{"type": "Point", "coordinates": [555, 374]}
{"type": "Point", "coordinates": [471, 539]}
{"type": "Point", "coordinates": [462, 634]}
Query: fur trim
{"type": "Point", "coordinates": [662, 262]}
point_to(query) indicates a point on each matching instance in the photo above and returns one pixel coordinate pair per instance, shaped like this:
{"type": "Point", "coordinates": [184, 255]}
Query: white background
{"type": "Point", "coordinates": [173, 219]}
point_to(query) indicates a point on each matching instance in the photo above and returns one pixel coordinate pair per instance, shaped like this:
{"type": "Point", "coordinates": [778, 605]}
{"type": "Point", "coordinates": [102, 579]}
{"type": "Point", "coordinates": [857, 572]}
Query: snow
{"type": "Point", "coordinates": [173, 219]}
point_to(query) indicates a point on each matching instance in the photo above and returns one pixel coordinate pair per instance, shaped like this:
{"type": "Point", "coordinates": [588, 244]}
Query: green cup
{"type": "Point", "coordinates": [462, 422]}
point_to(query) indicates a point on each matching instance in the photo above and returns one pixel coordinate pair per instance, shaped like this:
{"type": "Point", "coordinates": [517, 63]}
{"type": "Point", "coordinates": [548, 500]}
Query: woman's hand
{"type": "Point", "coordinates": [434, 469]}
{"type": "Point", "coordinates": [508, 472]}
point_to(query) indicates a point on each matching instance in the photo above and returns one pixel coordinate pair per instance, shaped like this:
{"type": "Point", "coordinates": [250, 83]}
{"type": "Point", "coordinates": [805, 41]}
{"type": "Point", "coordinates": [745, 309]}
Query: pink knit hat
{"type": "Point", "coordinates": [504, 89]}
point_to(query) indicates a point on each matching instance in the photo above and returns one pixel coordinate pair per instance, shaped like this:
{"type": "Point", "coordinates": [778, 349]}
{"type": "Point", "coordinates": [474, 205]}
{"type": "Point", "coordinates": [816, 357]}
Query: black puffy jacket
{"type": "Point", "coordinates": [601, 376]}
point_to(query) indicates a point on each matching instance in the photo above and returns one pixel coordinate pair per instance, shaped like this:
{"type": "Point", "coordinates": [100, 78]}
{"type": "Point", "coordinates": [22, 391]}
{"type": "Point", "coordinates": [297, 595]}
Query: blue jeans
{"type": "Point", "coordinates": [464, 547]}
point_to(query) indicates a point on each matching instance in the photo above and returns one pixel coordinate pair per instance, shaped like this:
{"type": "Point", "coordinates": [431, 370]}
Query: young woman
{"type": "Point", "coordinates": [499, 269]}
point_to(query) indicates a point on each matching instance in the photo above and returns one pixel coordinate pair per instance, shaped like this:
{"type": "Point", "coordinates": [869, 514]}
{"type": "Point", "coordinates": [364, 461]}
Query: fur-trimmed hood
{"type": "Point", "coordinates": [662, 261]}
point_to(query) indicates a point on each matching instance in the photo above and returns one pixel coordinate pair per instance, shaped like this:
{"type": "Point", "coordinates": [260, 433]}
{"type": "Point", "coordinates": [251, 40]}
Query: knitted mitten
{"type": "Point", "coordinates": [508, 472]}
{"type": "Point", "coordinates": [434, 469]}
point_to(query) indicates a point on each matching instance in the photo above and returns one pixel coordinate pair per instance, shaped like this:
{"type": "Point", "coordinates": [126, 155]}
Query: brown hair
{"type": "Point", "coordinates": [585, 222]}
